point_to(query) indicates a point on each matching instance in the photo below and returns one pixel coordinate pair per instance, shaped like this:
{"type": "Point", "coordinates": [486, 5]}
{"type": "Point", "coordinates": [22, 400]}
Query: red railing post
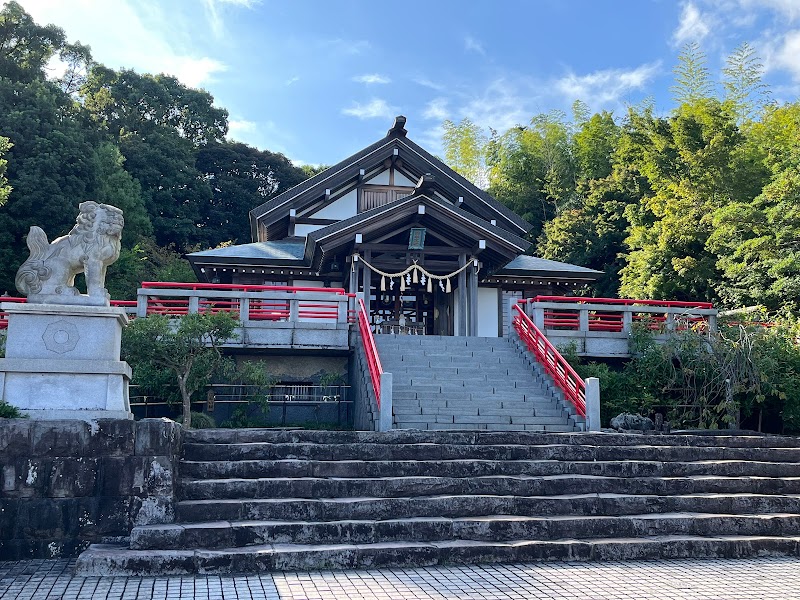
{"type": "Point", "coordinates": [564, 376]}
{"type": "Point", "coordinates": [370, 350]}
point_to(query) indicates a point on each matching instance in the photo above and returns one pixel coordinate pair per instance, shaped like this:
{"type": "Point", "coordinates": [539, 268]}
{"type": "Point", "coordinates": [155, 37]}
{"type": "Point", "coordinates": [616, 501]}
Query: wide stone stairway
{"type": "Point", "coordinates": [445, 382]}
{"type": "Point", "coordinates": [256, 500]}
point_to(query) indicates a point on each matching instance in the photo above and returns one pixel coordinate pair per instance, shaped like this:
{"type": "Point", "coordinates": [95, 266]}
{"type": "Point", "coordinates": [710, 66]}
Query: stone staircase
{"type": "Point", "coordinates": [258, 500]}
{"type": "Point", "coordinates": [444, 382]}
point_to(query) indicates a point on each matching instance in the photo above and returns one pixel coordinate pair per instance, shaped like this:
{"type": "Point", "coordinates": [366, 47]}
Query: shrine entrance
{"type": "Point", "coordinates": [412, 312]}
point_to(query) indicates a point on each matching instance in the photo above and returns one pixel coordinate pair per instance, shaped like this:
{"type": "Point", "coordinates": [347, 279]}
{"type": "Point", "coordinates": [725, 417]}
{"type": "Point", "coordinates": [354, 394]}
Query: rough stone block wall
{"type": "Point", "coordinates": [365, 406]}
{"type": "Point", "coordinates": [67, 484]}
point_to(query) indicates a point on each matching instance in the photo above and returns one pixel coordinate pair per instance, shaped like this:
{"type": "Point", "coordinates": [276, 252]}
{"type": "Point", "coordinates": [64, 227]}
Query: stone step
{"type": "Point", "coordinates": [109, 559]}
{"type": "Point", "coordinates": [510, 451]}
{"type": "Point", "coordinates": [471, 468]}
{"type": "Point", "coordinates": [375, 508]}
{"type": "Point", "coordinates": [519, 485]}
{"type": "Point", "coordinates": [718, 439]}
{"type": "Point", "coordinates": [226, 534]}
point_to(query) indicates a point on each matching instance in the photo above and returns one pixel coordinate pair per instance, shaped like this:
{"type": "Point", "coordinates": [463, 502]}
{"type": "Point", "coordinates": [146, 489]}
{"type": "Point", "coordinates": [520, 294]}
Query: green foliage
{"type": "Point", "coordinates": [10, 412]}
{"type": "Point", "coordinates": [705, 380]}
{"type": "Point", "coordinates": [189, 349]}
{"type": "Point", "coordinates": [5, 188]}
{"type": "Point", "coordinates": [692, 77]}
{"type": "Point", "coordinates": [743, 81]}
{"type": "Point", "coordinates": [464, 148]}
{"type": "Point", "coordinates": [201, 421]}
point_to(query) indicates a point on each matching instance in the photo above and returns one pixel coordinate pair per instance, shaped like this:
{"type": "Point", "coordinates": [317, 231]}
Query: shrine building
{"type": "Point", "coordinates": [431, 252]}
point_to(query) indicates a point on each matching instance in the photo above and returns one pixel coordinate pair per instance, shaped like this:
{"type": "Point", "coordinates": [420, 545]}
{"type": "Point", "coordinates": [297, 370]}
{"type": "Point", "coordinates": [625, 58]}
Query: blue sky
{"type": "Point", "coordinates": [318, 80]}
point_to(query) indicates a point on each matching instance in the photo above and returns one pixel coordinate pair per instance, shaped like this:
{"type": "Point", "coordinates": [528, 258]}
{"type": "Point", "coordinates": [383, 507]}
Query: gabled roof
{"type": "Point", "coordinates": [501, 244]}
{"type": "Point", "coordinates": [287, 252]}
{"type": "Point", "coordinates": [414, 157]}
{"type": "Point", "coordinates": [533, 266]}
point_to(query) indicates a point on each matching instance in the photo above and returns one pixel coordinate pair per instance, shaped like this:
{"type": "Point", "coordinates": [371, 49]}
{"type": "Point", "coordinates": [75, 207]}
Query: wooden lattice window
{"type": "Point", "coordinates": [374, 196]}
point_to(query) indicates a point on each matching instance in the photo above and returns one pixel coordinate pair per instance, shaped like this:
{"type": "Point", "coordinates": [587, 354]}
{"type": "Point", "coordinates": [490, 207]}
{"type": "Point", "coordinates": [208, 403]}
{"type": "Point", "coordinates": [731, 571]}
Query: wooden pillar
{"type": "Point", "coordinates": [353, 283]}
{"type": "Point", "coordinates": [473, 299]}
{"type": "Point", "coordinates": [367, 282]}
{"type": "Point", "coordinates": [462, 297]}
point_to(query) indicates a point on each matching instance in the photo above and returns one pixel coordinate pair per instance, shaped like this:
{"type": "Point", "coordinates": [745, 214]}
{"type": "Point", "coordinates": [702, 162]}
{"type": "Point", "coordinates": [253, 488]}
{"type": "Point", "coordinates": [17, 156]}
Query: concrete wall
{"type": "Point", "coordinates": [66, 484]}
{"type": "Point", "coordinates": [366, 415]}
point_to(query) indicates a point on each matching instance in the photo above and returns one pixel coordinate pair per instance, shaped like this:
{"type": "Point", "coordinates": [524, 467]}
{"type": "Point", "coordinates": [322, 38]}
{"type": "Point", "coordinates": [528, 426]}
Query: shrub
{"type": "Point", "coordinates": [10, 412]}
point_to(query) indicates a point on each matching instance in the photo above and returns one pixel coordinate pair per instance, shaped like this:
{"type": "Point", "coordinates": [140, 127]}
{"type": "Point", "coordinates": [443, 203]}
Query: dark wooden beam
{"type": "Point", "coordinates": [462, 297]}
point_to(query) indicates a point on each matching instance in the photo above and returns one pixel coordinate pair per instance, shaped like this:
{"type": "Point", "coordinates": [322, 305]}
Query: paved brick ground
{"type": "Point", "coordinates": [756, 579]}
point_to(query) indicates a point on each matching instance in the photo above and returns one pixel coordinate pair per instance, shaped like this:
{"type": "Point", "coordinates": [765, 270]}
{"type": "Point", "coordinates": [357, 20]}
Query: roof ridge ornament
{"type": "Point", "coordinates": [424, 185]}
{"type": "Point", "coordinates": [399, 127]}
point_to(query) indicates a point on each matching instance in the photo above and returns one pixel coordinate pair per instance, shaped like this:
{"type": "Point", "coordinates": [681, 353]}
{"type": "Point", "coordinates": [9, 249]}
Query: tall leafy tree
{"type": "Point", "coordinates": [532, 169]}
{"type": "Point", "coordinates": [5, 187]}
{"type": "Point", "coordinates": [464, 149]}
{"type": "Point", "coordinates": [692, 77]}
{"type": "Point", "coordinates": [743, 81]}
{"type": "Point", "coordinates": [240, 177]}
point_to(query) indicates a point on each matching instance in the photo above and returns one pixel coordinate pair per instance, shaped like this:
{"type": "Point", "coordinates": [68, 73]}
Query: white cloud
{"type": "Point", "coordinates": [372, 78]}
{"type": "Point", "coordinates": [436, 109]}
{"type": "Point", "coordinates": [608, 86]}
{"type": "Point", "coordinates": [241, 126]}
{"type": "Point", "coordinates": [214, 12]}
{"type": "Point", "coordinates": [786, 54]}
{"type": "Point", "coordinates": [473, 45]}
{"type": "Point", "coordinates": [376, 108]}
{"type": "Point", "coordinates": [787, 8]}
{"type": "Point", "coordinates": [501, 105]}
{"type": "Point", "coordinates": [292, 80]}
{"type": "Point", "coordinates": [124, 33]}
{"type": "Point", "coordinates": [693, 25]}
{"type": "Point", "coordinates": [429, 84]}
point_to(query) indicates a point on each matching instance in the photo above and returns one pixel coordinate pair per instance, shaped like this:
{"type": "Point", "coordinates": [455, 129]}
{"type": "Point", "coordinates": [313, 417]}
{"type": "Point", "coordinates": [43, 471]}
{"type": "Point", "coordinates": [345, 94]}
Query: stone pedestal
{"type": "Point", "coordinates": [62, 362]}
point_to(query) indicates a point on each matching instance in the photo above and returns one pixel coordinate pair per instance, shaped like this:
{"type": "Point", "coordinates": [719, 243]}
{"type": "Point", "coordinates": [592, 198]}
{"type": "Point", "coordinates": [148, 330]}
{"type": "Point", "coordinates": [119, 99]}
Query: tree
{"type": "Point", "coordinates": [464, 150]}
{"type": "Point", "coordinates": [240, 177]}
{"type": "Point", "coordinates": [25, 47]}
{"type": "Point", "coordinates": [743, 81]}
{"type": "Point", "coordinates": [129, 102]}
{"type": "Point", "coordinates": [758, 240]}
{"type": "Point", "coordinates": [5, 188]}
{"type": "Point", "coordinates": [189, 349]}
{"type": "Point", "coordinates": [532, 169]}
{"type": "Point", "coordinates": [694, 163]}
{"type": "Point", "coordinates": [692, 79]}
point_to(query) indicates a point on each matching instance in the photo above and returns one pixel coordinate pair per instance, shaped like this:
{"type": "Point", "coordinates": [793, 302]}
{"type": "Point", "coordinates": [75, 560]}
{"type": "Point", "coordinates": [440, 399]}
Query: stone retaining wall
{"type": "Point", "coordinates": [67, 484]}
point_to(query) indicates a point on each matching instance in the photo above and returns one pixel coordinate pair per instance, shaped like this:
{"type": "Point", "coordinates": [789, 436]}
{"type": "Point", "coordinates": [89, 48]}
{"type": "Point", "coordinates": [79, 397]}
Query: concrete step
{"type": "Point", "coordinates": [511, 450]}
{"type": "Point", "coordinates": [226, 534]}
{"type": "Point", "coordinates": [378, 508]}
{"type": "Point", "coordinates": [517, 485]}
{"type": "Point", "coordinates": [472, 468]}
{"type": "Point", "coordinates": [108, 559]}
{"type": "Point", "coordinates": [719, 439]}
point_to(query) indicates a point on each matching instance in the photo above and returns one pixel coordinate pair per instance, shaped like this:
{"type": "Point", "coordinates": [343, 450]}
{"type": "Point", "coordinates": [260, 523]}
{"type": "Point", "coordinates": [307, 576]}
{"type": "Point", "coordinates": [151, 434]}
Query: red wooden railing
{"type": "Point", "coordinates": [565, 377]}
{"type": "Point", "coordinates": [275, 308]}
{"type": "Point", "coordinates": [4, 316]}
{"type": "Point", "coordinates": [370, 350]}
{"type": "Point", "coordinates": [612, 320]}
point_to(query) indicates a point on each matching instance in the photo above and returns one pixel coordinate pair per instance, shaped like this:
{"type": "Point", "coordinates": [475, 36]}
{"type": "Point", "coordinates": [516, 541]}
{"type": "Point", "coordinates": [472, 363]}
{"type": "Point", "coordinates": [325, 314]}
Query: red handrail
{"type": "Point", "coordinates": [623, 301]}
{"type": "Point", "coordinates": [565, 377]}
{"type": "Point", "coordinates": [167, 285]}
{"type": "Point", "coordinates": [371, 350]}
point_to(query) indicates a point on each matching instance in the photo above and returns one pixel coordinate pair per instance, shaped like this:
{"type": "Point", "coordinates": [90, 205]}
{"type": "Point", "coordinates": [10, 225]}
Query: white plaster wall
{"type": "Point", "coordinates": [381, 178]}
{"type": "Point", "coordinates": [487, 312]}
{"type": "Point", "coordinates": [343, 208]}
{"type": "Point", "coordinates": [400, 179]}
{"type": "Point", "coordinates": [456, 312]}
{"type": "Point", "coordinates": [304, 230]}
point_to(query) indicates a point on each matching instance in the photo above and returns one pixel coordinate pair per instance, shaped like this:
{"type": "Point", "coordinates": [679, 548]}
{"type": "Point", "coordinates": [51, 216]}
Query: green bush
{"type": "Point", "coordinates": [201, 421]}
{"type": "Point", "coordinates": [10, 412]}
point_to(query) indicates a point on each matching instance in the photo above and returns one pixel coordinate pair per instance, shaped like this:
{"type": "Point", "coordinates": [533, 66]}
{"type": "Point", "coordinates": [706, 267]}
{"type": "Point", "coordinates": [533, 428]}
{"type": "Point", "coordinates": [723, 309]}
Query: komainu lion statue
{"type": "Point", "coordinates": [48, 276]}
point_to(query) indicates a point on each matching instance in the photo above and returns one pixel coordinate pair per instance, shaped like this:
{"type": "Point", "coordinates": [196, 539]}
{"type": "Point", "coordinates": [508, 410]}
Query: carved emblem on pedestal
{"type": "Point", "coordinates": [61, 336]}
